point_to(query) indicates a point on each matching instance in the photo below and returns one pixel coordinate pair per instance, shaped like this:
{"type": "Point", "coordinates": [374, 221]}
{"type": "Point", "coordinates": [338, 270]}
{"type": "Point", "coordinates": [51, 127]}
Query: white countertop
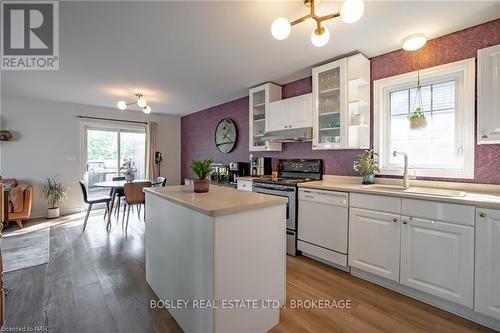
{"type": "Point", "coordinates": [218, 201]}
{"type": "Point", "coordinates": [479, 199]}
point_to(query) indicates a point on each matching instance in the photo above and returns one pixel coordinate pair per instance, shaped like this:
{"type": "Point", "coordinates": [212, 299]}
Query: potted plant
{"type": "Point", "coordinates": [366, 164]}
{"type": "Point", "coordinates": [128, 169]}
{"type": "Point", "coordinates": [55, 193]}
{"type": "Point", "coordinates": [202, 169]}
{"type": "Point", "coordinates": [417, 119]}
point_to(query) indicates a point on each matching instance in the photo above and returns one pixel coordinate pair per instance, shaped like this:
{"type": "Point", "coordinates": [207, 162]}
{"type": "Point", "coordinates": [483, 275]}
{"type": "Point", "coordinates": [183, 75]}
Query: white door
{"type": "Point", "coordinates": [487, 291]}
{"type": "Point", "coordinates": [277, 116]}
{"type": "Point", "coordinates": [374, 242]}
{"type": "Point", "coordinates": [438, 258]}
{"type": "Point", "coordinates": [300, 112]}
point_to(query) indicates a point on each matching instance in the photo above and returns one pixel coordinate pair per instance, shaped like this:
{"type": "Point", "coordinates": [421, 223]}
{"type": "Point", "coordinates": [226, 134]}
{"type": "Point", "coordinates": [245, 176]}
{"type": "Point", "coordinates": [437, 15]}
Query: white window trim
{"type": "Point", "coordinates": [464, 72]}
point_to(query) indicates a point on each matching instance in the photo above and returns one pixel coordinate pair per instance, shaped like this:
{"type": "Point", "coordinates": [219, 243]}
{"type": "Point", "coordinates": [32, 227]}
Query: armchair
{"type": "Point", "coordinates": [20, 201]}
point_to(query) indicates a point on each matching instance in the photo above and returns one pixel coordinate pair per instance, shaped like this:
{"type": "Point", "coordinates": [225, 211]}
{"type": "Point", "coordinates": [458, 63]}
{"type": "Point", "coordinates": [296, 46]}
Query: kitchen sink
{"type": "Point", "coordinates": [384, 187]}
{"type": "Point", "coordinates": [417, 190]}
{"type": "Point", "coordinates": [436, 191]}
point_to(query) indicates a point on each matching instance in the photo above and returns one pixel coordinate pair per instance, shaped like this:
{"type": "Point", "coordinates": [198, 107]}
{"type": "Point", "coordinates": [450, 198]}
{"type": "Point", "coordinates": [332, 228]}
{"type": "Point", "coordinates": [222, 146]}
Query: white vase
{"type": "Point", "coordinates": [53, 213]}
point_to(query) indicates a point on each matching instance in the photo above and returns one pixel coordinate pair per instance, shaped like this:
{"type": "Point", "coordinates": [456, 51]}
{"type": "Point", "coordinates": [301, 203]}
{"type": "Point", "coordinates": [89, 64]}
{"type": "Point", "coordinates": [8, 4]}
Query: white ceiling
{"type": "Point", "coordinates": [187, 56]}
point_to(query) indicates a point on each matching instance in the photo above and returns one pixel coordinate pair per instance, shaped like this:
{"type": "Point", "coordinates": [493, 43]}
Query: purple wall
{"type": "Point", "coordinates": [197, 132]}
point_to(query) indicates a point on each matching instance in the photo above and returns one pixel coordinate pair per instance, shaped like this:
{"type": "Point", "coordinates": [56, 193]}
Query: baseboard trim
{"type": "Point", "coordinates": [66, 211]}
{"type": "Point", "coordinates": [447, 306]}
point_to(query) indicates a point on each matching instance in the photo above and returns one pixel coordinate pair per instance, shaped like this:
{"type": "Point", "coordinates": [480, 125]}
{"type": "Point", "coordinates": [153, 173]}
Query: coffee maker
{"type": "Point", "coordinates": [262, 166]}
{"type": "Point", "coordinates": [238, 169]}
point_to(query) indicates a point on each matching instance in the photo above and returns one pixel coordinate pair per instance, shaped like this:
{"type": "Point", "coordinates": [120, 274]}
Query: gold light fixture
{"type": "Point", "coordinates": [351, 11]}
{"type": "Point", "coordinates": [141, 103]}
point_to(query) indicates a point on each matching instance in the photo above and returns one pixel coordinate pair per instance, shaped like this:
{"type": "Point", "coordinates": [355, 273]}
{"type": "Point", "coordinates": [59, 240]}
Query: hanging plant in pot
{"type": "Point", "coordinates": [128, 169]}
{"type": "Point", "coordinates": [201, 169]}
{"type": "Point", "coordinates": [366, 164]}
{"type": "Point", "coordinates": [55, 193]}
{"type": "Point", "coordinates": [417, 117]}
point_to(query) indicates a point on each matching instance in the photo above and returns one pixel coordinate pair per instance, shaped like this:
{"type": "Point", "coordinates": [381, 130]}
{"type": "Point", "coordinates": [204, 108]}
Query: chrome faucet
{"type": "Point", "coordinates": [406, 174]}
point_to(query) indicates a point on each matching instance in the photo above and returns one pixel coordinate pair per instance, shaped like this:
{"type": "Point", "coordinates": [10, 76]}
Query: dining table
{"type": "Point", "coordinates": [114, 185]}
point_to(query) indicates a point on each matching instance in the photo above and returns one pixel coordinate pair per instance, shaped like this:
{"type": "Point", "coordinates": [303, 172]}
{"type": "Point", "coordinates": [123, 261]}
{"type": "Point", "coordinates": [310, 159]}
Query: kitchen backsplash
{"type": "Point", "coordinates": [197, 129]}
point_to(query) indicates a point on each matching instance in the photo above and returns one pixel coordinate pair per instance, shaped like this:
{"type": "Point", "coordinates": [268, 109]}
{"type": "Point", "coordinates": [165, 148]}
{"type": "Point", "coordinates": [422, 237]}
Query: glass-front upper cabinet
{"type": "Point", "coordinates": [341, 112]}
{"type": "Point", "coordinates": [260, 97]}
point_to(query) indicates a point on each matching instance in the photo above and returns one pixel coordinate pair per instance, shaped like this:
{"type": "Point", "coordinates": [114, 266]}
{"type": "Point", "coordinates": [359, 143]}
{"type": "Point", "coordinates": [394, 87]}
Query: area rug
{"type": "Point", "coordinates": [25, 250]}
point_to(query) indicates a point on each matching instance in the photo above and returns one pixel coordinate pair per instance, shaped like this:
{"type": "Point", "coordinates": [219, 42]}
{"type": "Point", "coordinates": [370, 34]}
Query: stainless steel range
{"type": "Point", "coordinates": [290, 173]}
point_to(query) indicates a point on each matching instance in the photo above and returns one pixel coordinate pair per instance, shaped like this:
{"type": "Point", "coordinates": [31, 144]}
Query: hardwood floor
{"type": "Point", "coordinates": [374, 309]}
{"type": "Point", "coordinates": [95, 282]}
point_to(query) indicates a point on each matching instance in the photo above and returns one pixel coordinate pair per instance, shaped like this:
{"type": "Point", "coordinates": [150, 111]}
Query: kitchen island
{"type": "Point", "coordinates": [216, 260]}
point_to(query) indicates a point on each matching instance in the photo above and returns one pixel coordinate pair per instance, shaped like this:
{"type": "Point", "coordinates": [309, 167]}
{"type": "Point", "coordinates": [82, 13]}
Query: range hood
{"type": "Point", "coordinates": [290, 135]}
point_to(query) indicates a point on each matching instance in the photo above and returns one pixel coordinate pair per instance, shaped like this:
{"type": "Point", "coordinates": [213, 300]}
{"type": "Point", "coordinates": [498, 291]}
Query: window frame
{"type": "Point", "coordinates": [112, 126]}
{"type": "Point", "coordinates": [463, 72]}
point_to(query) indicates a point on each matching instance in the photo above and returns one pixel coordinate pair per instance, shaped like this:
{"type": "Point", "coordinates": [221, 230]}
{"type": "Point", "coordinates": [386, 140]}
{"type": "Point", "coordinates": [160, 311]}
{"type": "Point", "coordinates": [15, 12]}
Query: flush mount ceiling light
{"type": "Point", "coordinates": [414, 42]}
{"type": "Point", "coordinates": [141, 102]}
{"type": "Point", "coordinates": [351, 11]}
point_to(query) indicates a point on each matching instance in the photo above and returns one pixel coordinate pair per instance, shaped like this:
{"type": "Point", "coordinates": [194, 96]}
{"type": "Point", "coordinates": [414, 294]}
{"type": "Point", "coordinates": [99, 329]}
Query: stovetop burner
{"type": "Point", "coordinates": [292, 172]}
{"type": "Point", "coordinates": [282, 180]}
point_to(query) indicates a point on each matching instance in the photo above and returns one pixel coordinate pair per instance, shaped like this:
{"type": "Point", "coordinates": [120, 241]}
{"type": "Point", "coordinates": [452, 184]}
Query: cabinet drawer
{"type": "Point", "coordinates": [442, 211]}
{"type": "Point", "coordinates": [376, 202]}
{"type": "Point", "coordinates": [245, 185]}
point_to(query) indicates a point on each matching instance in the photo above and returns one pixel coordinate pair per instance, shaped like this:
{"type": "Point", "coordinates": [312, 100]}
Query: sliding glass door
{"type": "Point", "coordinates": [105, 149]}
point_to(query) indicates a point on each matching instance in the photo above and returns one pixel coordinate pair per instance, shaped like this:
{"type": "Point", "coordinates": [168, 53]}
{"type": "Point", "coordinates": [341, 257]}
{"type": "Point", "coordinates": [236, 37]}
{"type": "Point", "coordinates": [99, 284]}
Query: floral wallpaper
{"type": "Point", "coordinates": [198, 128]}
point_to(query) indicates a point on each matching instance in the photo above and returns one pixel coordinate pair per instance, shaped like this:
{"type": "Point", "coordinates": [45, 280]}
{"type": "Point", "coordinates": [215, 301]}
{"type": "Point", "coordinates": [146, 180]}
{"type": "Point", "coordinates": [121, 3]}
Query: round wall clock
{"type": "Point", "coordinates": [226, 135]}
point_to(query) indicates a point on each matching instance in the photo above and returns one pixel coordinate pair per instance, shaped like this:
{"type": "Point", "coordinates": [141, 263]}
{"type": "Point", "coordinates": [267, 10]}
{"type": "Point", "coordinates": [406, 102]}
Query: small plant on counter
{"type": "Point", "coordinates": [366, 164]}
{"type": "Point", "coordinates": [202, 169]}
{"type": "Point", "coordinates": [55, 193]}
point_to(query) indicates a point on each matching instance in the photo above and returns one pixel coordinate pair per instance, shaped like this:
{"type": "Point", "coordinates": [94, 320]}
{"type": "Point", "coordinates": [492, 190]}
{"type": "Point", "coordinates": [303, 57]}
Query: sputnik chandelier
{"type": "Point", "coordinates": [351, 11]}
{"type": "Point", "coordinates": [141, 102]}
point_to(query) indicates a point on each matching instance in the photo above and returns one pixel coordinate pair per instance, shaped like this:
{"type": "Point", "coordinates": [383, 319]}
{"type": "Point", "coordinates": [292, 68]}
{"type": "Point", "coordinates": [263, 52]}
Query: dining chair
{"type": "Point", "coordinates": [90, 202]}
{"type": "Point", "coordinates": [159, 182]}
{"type": "Point", "coordinates": [119, 194]}
{"type": "Point", "coordinates": [134, 196]}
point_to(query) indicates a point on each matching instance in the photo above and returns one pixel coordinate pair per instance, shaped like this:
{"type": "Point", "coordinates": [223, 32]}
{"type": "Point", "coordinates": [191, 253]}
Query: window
{"type": "Point", "coordinates": [445, 147]}
{"type": "Point", "coordinates": [105, 148]}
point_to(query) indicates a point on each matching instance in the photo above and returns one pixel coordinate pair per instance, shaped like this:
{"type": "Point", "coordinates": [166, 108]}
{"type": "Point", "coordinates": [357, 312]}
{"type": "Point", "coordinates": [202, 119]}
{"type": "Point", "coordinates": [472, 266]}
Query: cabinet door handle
{"type": "Point", "coordinates": [484, 136]}
{"type": "Point", "coordinates": [394, 220]}
{"type": "Point", "coordinates": [404, 221]}
{"type": "Point", "coordinates": [482, 214]}
{"type": "Point", "coordinates": [289, 126]}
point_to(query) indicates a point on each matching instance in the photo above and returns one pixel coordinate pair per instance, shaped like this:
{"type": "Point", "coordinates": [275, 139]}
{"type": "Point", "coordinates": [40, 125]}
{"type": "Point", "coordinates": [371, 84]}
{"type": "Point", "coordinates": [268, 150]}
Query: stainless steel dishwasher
{"type": "Point", "coordinates": [323, 218]}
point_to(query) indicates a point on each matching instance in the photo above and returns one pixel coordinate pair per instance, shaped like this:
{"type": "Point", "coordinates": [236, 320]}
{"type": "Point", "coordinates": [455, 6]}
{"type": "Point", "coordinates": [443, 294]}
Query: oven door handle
{"type": "Point", "coordinates": [282, 189]}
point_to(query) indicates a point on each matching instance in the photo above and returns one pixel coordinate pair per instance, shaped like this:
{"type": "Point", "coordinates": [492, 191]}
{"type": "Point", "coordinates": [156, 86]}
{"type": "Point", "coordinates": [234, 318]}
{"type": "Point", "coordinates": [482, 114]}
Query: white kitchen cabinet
{"type": "Point", "coordinates": [374, 242]}
{"type": "Point", "coordinates": [487, 278]}
{"type": "Point", "coordinates": [260, 98]}
{"type": "Point", "coordinates": [488, 95]}
{"type": "Point", "coordinates": [341, 104]}
{"type": "Point", "coordinates": [438, 258]}
{"type": "Point", "coordinates": [244, 185]}
{"type": "Point", "coordinates": [294, 112]}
